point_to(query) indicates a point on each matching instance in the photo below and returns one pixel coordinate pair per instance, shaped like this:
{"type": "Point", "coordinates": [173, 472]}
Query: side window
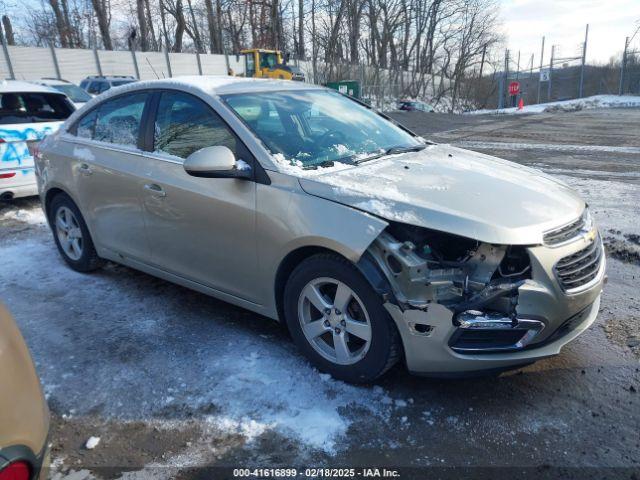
{"type": "Point", "coordinates": [251, 65]}
{"type": "Point", "coordinates": [94, 88]}
{"type": "Point", "coordinates": [104, 86]}
{"type": "Point", "coordinates": [87, 124]}
{"type": "Point", "coordinates": [119, 119]}
{"type": "Point", "coordinates": [186, 124]}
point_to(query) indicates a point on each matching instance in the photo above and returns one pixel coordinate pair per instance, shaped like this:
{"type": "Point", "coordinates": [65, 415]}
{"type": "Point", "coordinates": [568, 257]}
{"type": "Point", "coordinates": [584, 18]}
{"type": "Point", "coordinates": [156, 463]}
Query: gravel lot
{"type": "Point", "coordinates": [173, 381]}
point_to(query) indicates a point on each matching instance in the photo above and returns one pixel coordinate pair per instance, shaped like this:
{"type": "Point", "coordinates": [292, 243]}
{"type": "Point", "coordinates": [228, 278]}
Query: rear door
{"type": "Point", "coordinates": [107, 166]}
{"type": "Point", "coordinates": [202, 229]}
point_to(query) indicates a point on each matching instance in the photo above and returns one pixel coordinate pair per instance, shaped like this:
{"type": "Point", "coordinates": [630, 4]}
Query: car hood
{"type": "Point", "coordinates": [456, 191]}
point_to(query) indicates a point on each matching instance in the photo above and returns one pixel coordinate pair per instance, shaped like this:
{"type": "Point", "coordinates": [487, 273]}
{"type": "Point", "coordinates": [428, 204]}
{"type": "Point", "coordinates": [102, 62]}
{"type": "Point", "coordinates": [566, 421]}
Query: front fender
{"type": "Point", "coordinates": [289, 219]}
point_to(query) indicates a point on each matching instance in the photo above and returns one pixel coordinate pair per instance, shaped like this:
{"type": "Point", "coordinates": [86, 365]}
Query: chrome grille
{"type": "Point", "coordinates": [577, 270]}
{"type": "Point", "coordinates": [563, 234]}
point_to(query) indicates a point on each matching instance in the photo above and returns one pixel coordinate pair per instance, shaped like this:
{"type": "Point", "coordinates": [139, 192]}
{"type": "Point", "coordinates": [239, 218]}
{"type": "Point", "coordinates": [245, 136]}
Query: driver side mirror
{"type": "Point", "coordinates": [216, 162]}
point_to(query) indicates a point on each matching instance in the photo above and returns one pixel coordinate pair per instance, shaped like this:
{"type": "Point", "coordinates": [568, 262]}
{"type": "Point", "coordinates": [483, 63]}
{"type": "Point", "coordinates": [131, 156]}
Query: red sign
{"type": "Point", "coordinates": [514, 88]}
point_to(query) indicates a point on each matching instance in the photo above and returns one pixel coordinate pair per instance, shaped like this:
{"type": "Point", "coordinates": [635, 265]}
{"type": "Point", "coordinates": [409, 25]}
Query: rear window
{"type": "Point", "coordinates": [117, 83]}
{"type": "Point", "coordinates": [75, 93]}
{"type": "Point", "coordinates": [33, 107]}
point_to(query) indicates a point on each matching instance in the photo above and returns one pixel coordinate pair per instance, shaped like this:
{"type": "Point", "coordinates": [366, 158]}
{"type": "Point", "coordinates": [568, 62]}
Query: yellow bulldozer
{"type": "Point", "coordinates": [262, 63]}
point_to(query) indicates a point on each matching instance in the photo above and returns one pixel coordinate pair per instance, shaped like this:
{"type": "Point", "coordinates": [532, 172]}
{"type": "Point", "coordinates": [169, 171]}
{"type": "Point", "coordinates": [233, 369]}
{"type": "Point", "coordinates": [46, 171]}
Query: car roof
{"type": "Point", "coordinates": [108, 78]}
{"type": "Point", "coordinates": [223, 84]}
{"type": "Point", "coordinates": [51, 81]}
{"type": "Point", "coordinates": [18, 86]}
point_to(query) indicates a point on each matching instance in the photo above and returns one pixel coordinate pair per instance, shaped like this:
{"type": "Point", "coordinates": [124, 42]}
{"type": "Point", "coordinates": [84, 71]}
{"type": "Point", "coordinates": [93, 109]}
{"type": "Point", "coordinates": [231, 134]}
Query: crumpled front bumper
{"type": "Point", "coordinates": [426, 333]}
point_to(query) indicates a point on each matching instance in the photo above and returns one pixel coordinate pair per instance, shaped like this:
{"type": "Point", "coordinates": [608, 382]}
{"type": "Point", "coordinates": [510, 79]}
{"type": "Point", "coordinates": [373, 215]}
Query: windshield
{"type": "Point", "coordinates": [33, 107]}
{"type": "Point", "coordinates": [75, 93]}
{"type": "Point", "coordinates": [310, 128]}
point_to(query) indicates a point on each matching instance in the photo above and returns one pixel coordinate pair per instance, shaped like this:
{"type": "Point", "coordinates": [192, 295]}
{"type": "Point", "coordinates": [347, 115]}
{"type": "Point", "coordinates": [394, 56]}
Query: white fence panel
{"type": "Point", "coordinates": [75, 64]}
{"type": "Point", "coordinates": [116, 63]}
{"type": "Point", "coordinates": [183, 64]}
{"type": "Point", "coordinates": [152, 65]}
{"type": "Point", "coordinates": [29, 63]}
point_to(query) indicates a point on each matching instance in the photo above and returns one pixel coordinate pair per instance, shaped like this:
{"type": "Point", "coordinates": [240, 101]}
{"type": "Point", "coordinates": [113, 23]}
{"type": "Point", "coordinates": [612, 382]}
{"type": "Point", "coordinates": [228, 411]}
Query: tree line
{"type": "Point", "coordinates": [416, 45]}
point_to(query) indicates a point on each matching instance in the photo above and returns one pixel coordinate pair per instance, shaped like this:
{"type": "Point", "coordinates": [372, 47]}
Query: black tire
{"type": "Point", "coordinates": [89, 260]}
{"type": "Point", "coordinates": [385, 347]}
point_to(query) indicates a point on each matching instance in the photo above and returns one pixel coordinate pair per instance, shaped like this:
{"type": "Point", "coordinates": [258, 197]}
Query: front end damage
{"type": "Point", "coordinates": [463, 306]}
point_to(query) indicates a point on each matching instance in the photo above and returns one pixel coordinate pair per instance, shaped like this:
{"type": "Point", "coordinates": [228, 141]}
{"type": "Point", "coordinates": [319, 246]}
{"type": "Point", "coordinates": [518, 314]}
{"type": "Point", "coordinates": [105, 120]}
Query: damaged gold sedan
{"type": "Point", "coordinates": [372, 244]}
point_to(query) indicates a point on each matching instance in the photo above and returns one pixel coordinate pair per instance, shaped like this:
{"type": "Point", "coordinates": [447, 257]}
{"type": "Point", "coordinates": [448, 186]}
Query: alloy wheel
{"type": "Point", "coordinates": [334, 321]}
{"type": "Point", "coordinates": [69, 233]}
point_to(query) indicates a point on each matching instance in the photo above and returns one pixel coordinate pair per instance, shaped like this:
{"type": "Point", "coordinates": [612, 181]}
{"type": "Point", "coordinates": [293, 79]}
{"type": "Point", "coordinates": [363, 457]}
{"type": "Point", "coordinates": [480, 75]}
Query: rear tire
{"type": "Point", "coordinates": [72, 236]}
{"type": "Point", "coordinates": [351, 335]}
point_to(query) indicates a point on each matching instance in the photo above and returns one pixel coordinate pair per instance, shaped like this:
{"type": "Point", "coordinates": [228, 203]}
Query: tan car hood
{"type": "Point", "coordinates": [454, 190]}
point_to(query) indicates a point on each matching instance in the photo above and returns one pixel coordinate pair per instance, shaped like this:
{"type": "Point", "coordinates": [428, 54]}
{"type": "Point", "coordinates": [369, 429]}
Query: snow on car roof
{"type": "Point", "coordinates": [17, 86]}
{"type": "Point", "coordinates": [225, 84]}
{"type": "Point", "coordinates": [215, 84]}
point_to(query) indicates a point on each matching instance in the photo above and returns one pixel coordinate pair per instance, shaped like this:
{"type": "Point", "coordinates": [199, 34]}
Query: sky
{"type": "Point", "coordinates": [563, 23]}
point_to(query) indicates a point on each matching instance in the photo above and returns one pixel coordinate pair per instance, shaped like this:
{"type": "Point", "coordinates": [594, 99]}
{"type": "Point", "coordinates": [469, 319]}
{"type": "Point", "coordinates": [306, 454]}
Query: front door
{"type": "Point", "coordinates": [202, 229]}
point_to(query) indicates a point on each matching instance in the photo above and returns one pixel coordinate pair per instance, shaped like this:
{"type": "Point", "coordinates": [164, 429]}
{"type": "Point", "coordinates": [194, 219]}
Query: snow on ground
{"type": "Point", "coordinates": [30, 216]}
{"type": "Point", "coordinates": [238, 381]}
{"type": "Point", "coordinates": [596, 101]}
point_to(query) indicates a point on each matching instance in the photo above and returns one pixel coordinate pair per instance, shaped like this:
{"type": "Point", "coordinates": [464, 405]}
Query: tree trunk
{"type": "Point", "coordinates": [152, 33]}
{"type": "Point", "coordinates": [143, 33]}
{"type": "Point", "coordinates": [180, 27]}
{"type": "Point", "coordinates": [103, 22]}
{"type": "Point", "coordinates": [211, 22]}
{"type": "Point", "coordinates": [219, 37]}
{"type": "Point", "coordinates": [274, 22]}
{"type": "Point", "coordinates": [60, 26]}
{"type": "Point", "coordinates": [301, 52]}
{"type": "Point", "coordinates": [8, 30]}
{"type": "Point", "coordinates": [67, 24]}
{"type": "Point", "coordinates": [196, 33]}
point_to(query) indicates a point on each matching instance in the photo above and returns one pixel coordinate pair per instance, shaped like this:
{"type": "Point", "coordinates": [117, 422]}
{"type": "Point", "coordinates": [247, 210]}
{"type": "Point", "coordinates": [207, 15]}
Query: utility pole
{"type": "Point", "coordinates": [503, 82]}
{"type": "Point", "coordinates": [553, 51]}
{"type": "Point", "coordinates": [541, 60]}
{"type": "Point", "coordinates": [518, 67]}
{"type": "Point", "coordinates": [484, 52]}
{"type": "Point", "coordinates": [623, 67]}
{"type": "Point", "coordinates": [6, 55]}
{"type": "Point", "coordinates": [584, 58]}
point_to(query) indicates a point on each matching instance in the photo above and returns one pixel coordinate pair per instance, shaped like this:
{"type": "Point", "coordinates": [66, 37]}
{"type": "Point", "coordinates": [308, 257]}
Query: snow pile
{"type": "Point", "coordinates": [596, 101]}
{"type": "Point", "coordinates": [296, 167]}
{"type": "Point", "coordinates": [92, 443]}
{"type": "Point", "coordinates": [31, 216]}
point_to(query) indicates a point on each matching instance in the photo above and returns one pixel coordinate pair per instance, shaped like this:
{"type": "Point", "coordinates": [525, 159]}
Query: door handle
{"type": "Point", "coordinates": [155, 189]}
{"type": "Point", "coordinates": [85, 169]}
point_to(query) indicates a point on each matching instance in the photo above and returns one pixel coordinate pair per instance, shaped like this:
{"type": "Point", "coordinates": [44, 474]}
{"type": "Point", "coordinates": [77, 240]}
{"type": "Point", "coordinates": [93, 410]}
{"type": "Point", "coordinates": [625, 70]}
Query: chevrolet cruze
{"type": "Point", "coordinates": [372, 244]}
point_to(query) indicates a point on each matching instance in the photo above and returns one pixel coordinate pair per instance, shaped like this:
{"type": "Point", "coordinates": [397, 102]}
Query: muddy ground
{"type": "Point", "coordinates": [178, 385]}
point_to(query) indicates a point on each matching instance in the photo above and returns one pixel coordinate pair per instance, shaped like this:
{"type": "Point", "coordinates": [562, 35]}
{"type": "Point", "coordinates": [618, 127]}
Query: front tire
{"type": "Point", "coordinates": [338, 320]}
{"type": "Point", "coordinates": [72, 236]}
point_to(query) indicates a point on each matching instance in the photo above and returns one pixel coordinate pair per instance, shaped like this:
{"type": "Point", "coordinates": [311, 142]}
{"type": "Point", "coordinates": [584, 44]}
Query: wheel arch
{"type": "Point", "coordinates": [286, 267]}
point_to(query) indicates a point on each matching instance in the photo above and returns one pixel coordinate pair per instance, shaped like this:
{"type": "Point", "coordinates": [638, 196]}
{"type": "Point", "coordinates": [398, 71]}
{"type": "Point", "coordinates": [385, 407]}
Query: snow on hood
{"type": "Point", "coordinates": [454, 190]}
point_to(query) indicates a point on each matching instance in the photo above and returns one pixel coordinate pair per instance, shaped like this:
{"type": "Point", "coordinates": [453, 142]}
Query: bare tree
{"type": "Point", "coordinates": [8, 30]}
{"type": "Point", "coordinates": [102, 9]}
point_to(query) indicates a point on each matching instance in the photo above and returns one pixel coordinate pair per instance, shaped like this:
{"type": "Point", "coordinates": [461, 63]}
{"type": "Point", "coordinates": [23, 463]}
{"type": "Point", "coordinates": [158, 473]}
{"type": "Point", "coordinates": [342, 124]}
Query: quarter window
{"type": "Point", "coordinates": [119, 119]}
{"type": "Point", "coordinates": [185, 124]}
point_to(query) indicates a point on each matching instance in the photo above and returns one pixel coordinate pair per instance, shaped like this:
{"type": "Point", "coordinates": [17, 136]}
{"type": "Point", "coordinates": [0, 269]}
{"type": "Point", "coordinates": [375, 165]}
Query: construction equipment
{"type": "Point", "coordinates": [261, 63]}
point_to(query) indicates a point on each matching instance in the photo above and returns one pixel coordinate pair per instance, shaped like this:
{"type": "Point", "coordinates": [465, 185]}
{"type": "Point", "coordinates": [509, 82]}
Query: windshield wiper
{"type": "Point", "coordinates": [396, 150]}
{"type": "Point", "coordinates": [392, 151]}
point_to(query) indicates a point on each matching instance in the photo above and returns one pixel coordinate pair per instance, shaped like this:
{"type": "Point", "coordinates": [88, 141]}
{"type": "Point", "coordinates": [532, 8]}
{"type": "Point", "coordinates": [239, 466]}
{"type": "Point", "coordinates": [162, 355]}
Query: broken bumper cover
{"type": "Point", "coordinates": [429, 352]}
